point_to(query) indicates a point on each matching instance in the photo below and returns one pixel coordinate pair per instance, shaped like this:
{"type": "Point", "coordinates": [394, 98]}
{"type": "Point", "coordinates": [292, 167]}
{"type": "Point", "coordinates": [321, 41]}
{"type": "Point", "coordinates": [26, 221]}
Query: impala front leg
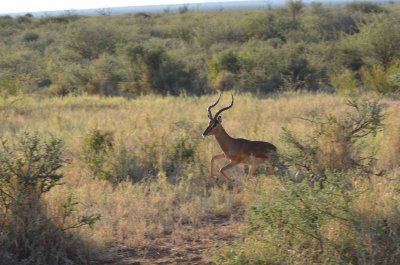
{"type": "Point", "coordinates": [222, 170]}
{"type": "Point", "coordinates": [216, 157]}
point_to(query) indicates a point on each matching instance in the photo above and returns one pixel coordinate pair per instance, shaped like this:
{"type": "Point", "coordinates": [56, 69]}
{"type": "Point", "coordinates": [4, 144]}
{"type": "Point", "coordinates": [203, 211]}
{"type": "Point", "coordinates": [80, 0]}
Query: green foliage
{"type": "Point", "coordinates": [104, 76]}
{"type": "Point", "coordinates": [331, 24]}
{"type": "Point", "coordinates": [96, 148]}
{"type": "Point", "coordinates": [152, 70]}
{"type": "Point", "coordinates": [294, 8]}
{"type": "Point", "coordinates": [29, 168]}
{"type": "Point", "coordinates": [304, 225]}
{"type": "Point", "coordinates": [108, 160]}
{"type": "Point", "coordinates": [365, 7]}
{"type": "Point", "coordinates": [91, 40]}
{"type": "Point", "coordinates": [23, 19]}
{"type": "Point", "coordinates": [227, 62]}
{"type": "Point", "coordinates": [345, 82]}
{"type": "Point", "coordinates": [259, 51]}
{"type": "Point", "coordinates": [380, 40]}
{"type": "Point", "coordinates": [30, 36]}
{"type": "Point", "coordinates": [157, 140]}
{"type": "Point", "coordinates": [294, 221]}
{"type": "Point", "coordinates": [336, 143]}
{"type": "Point", "coordinates": [337, 222]}
{"type": "Point", "coordinates": [350, 57]}
{"type": "Point", "coordinates": [382, 80]}
{"type": "Point", "coordinates": [31, 165]}
{"type": "Point", "coordinates": [224, 70]}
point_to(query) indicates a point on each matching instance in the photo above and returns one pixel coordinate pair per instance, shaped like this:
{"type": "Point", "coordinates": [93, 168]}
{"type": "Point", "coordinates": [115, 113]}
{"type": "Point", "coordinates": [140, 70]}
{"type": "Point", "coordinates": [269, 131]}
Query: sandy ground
{"type": "Point", "coordinates": [193, 245]}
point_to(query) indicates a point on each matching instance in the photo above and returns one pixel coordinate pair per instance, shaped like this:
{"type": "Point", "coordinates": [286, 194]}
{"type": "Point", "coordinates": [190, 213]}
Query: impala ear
{"type": "Point", "coordinates": [219, 119]}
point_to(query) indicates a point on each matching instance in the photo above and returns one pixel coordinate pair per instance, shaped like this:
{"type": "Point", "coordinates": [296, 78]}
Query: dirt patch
{"type": "Point", "coordinates": [186, 245]}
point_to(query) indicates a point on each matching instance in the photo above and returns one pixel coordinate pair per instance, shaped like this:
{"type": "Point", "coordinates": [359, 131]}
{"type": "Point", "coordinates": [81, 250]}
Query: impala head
{"type": "Point", "coordinates": [215, 122]}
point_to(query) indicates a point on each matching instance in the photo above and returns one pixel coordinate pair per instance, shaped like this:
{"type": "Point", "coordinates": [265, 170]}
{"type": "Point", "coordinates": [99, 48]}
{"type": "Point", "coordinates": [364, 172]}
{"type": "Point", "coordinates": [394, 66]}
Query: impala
{"type": "Point", "coordinates": [237, 150]}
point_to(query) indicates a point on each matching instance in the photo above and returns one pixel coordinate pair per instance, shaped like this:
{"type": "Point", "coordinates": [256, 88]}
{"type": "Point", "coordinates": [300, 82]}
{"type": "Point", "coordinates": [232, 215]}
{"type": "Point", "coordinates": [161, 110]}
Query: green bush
{"type": "Point", "coordinates": [336, 143]}
{"type": "Point", "coordinates": [29, 168]}
{"type": "Point", "coordinates": [345, 82]}
{"type": "Point", "coordinates": [381, 80]}
{"type": "Point", "coordinates": [294, 8]}
{"type": "Point", "coordinates": [154, 71]}
{"type": "Point", "coordinates": [97, 146]}
{"type": "Point", "coordinates": [365, 7]}
{"type": "Point", "coordinates": [259, 51]}
{"type": "Point", "coordinates": [30, 36]}
{"type": "Point", "coordinates": [379, 41]}
{"type": "Point", "coordinates": [330, 24]}
{"type": "Point", "coordinates": [299, 224]}
{"type": "Point", "coordinates": [108, 160]}
{"type": "Point", "coordinates": [293, 221]}
{"type": "Point", "coordinates": [104, 76]}
{"type": "Point", "coordinates": [90, 40]}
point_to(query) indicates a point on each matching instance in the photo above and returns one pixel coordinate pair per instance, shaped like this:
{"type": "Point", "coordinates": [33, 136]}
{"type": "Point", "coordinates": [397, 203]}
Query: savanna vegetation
{"type": "Point", "coordinates": [87, 179]}
{"type": "Point", "coordinates": [136, 171]}
{"type": "Point", "coordinates": [315, 48]}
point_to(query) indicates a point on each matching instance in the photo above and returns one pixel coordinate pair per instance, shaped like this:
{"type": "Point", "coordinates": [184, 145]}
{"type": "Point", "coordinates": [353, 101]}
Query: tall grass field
{"type": "Point", "coordinates": [133, 174]}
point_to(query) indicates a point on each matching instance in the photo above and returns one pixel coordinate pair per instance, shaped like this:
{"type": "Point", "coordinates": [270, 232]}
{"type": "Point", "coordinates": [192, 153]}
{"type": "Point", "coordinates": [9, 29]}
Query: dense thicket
{"type": "Point", "coordinates": [343, 48]}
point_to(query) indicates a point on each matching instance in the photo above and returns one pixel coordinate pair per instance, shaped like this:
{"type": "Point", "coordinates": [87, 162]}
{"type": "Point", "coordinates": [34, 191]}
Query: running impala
{"type": "Point", "coordinates": [237, 150]}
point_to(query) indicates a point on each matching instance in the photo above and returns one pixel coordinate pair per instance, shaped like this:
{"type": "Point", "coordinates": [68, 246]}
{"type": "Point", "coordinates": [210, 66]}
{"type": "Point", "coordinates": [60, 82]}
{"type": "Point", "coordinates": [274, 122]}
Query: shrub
{"type": "Point", "coordinates": [342, 221]}
{"type": "Point", "coordinates": [336, 143]}
{"type": "Point", "coordinates": [224, 81]}
{"type": "Point", "coordinates": [107, 160]}
{"type": "Point", "coordinates": [90, 40]}
{"type": "Point", "coordinates": [299, 224]}
{"type": "Point", "coordinates": [28, 169]}
{"type": "Point", "coordinates": [63, 19]}
{"type": "Point", "coordinates": [379, 41]}
{"type": "Point", "coordinates": [181, 156]}
{"type": "Point", "coordinates": [299, 75]}
{"type": "Point", "coordinates": [345, 82]}
{"type": "Point", "coordinates": [24, 19]}
{"type": "Point", "coordinates": [104, 77]}
{"type": "Point", "coordinates": [294, 7]}
{"type": "Point", "coordinates": [154, 71]}
{"type": "Point", "coordinates": [350, 57]}
{"type": "Point", "coordinates": [365, 7]}
{"type": "Point", "coordinates": [326, 25]}
{"type": "Point", "coordinates": [95, 149]}
{"type": "Point", "coordinates": [225, 64]}
{"type": "Point", "coordinates": [30, 36]}
{"type": "Point", "coordinates": [381, 80]}
{"type": "Point", "coordinates": [263, 26]}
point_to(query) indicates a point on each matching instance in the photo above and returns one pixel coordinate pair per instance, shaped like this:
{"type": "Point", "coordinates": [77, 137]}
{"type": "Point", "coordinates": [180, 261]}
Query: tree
{"type": "Point", "coordinates": [295, 7]}
{"type": "Point", "coordinates": [381, 40]}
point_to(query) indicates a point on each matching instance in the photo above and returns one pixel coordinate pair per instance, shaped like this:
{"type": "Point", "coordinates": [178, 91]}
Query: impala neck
{"type": "Point", "coordinates": [223, 139]}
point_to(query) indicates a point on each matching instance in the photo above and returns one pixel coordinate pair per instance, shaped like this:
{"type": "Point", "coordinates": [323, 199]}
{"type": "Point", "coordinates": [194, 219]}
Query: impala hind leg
{"type": "Point", "coordinates": [251, 171]}
{"type": "Point", "coordinates": [216, 157]}
{"type": "Point", "coordinates": [230, 165]}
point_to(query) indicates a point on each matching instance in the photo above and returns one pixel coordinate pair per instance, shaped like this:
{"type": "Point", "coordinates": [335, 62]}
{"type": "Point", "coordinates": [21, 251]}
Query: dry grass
{"type": "Point", "coordinates": [150, 129]}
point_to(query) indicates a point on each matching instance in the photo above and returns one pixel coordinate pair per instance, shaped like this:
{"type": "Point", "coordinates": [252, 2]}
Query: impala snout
{"type": "Point", "coordinates": [212, 125]}
{"type": "Point", "coordinates": [207, 132]}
